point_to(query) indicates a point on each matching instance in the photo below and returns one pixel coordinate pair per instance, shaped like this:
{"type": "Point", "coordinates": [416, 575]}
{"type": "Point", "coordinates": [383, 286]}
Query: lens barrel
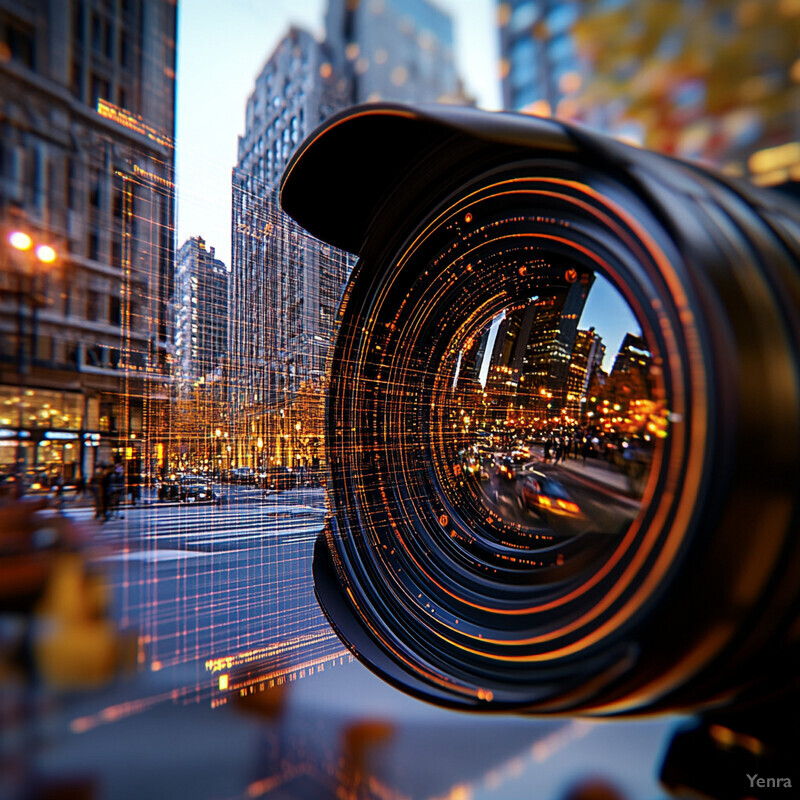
{"type": "Point", "coordinates": [460, 561]}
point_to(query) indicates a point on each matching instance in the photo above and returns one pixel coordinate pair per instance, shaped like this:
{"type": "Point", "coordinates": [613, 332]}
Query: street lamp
{"type": "Point", "coordinates": [43, 253]}
{"type": "Point", "coordinates": [21, 258]}
{"type": "Point", "coordinates": [20, 241]}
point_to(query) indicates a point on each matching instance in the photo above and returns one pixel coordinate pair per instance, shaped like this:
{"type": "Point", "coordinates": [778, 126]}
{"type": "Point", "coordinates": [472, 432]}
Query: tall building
{"type": "Point", "coordinates": [532, 359]}
{"type": "Point", "coordinates": [200, 376]}
{"type": "Point", "coordinates": [551, 344]}
{"type": "Point", "coordinates": [633, 357]}
{"type": "Point", "coordinates": [587, 359]}
{"type": "Point", "coordinates": [539, 68]}
{"type": "Point", "coordinates": [86, 168]}
{"type": "Point", "coordinates": [285, 285]}
{"type": "Point", "coordinates": [400, 50]}
{"type": "Point", "coordinates": [201, 315]}
{"type": "Point", "coordinates": [628, 400]}
{"type": "Point", "coordinates": [717, 81]}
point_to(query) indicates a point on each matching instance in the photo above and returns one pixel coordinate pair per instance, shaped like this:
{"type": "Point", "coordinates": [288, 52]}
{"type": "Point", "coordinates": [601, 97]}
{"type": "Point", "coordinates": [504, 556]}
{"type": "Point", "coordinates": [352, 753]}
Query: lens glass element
{"type": "Point", "coordinates": [546, 418]}
{"type": "Point", "coordinates": [498, 418]}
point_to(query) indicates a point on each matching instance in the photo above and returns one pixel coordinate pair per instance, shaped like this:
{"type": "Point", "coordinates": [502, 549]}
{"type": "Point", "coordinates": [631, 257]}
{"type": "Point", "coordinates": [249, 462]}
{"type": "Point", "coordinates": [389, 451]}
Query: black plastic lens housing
{"type": "Point", "coordinates": [459, 562]}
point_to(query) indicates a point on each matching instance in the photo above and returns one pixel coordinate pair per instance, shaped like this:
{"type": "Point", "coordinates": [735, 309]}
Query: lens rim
{"type": "Point", "coordinates": [365, 322]}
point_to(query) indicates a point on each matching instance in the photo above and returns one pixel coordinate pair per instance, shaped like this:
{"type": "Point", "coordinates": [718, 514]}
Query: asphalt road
{"type": "Point", "coordinates": [225, 591]}
{"type": "Point", "coordinates": [601, 509]}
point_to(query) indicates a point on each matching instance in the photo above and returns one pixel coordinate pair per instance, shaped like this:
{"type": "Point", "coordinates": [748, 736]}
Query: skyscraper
{"type": "Point", "coordinates": [86, 168]}
{"type": "Point", "coordinates": [201, 318]}
{"type": "Point", "coordinates": [399, 50]}
{"type": "Point", "coordinates": [587, 358]}
{"type": "Point", "coordinates": [539, 66]}
{"type": "Point", "coordinates": [285, 285]}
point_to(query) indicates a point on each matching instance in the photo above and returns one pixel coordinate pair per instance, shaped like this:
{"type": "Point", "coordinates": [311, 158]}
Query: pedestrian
{"type": "Point", "coordinates": [57, 487]}
{"type": "Point", "coordinates": [134, 483]}
{"type": "Point", "coordinates": [106, 491]}
{"type": "Point", "coordinates": [97, 490]}
{"type": "Point", "coordinates": [117, 489]}
{"type": "Point", "coordinates": [547, 447]}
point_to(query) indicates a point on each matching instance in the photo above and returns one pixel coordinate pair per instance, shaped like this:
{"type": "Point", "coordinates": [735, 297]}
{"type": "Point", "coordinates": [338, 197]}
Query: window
{"type": "Point", "coordinates": [99, 89]}
{"type": "Point", "coordinates": [93, 249]}
{"type": "Point", "coordinates": [560, 48]}
{"type": "Point", "coordinates": [70, 180]}
{"type": "Point", "coordinates": [116, 250]}
{"type": "Point", "coordinates": [102, 41]}
{"type": "Point", "coordinates": [44, 348]}
{"type": "Point", "coordinates": [92, 305]}
{"type": "Point", "coordinates": [94, 189]}
{"type": "Point", "coordinates": [78, 19]}
{"type": "Point", "coordinates": [523, 63]}
{"type": "Point", "coordinates": [115, 311]}
{"type": "Point", "coordinates": [523, 16]}
{"type": "Point", "coordinates": [124, 50]}
{"type": "Point", "coordinates": [561, 18]}
{"type": "Point", "coordinates": [20, 41]}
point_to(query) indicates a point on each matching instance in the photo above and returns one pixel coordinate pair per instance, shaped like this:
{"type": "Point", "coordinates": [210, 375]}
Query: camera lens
{"type": "Point", "coordinates": [561, 422]}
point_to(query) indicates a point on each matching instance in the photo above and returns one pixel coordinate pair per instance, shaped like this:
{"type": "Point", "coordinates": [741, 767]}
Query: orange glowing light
{"type": "Point", "coordinates": [45, 254]}
{"type": "Point", "coordinates": [539, 108]}
{"type": "Point", "coordinates": [20, 241]}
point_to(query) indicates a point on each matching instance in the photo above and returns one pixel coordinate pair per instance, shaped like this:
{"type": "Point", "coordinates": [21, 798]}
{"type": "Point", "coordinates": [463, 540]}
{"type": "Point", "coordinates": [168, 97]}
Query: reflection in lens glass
{"type": "Point", "coordinates": [550, 417]}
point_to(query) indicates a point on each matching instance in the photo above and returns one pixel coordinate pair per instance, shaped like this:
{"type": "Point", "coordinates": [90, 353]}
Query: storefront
{"type": "Point", "coordinates": [47, 434]}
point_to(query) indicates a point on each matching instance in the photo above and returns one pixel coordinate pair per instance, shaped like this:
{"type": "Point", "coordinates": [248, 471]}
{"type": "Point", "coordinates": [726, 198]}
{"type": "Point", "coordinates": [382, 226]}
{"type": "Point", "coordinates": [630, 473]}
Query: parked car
{"type": "Point", "coordinates": [278, 479]}
{"type": "Point", "coordinates": [169, 489]}
{"type": "Point", "coordinates": [243, 475]}
{"type": "Point", "coordinates": [195, 489]}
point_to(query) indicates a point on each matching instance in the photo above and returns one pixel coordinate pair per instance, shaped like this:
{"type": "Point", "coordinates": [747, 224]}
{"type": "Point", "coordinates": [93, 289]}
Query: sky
{"type": "Point", "coordinates": [222, 47]}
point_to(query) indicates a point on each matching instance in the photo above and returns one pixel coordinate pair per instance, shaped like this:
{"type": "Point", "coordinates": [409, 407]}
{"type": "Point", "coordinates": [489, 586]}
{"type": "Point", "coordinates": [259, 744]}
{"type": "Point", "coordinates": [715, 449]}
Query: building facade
{"type": "Point", "coordinates": [86, 168]}
{"type": "Point", "coordinates": [201, 315]}
{"type": "Point", "coordinates": [715, 81]}
{"type": "Point", "coordinates": [539, 68]}
{"type": "Point", "coordinates": [587, 359]}
{"type": "Point", "coordinates": [285, 285]}
{"type": "Point", "coordinates": [398, 50]}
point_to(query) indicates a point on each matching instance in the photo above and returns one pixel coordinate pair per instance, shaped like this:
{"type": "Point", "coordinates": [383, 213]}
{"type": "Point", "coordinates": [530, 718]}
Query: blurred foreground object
{"type": "Point", "coordinates": [68, 639]}
{"type": "Point", "coordinates": [470, 558]}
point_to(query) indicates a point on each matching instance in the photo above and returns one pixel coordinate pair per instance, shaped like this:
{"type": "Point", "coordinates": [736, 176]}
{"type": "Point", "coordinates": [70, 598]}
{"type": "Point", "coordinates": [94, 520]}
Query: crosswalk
{"type": "Point", "coordinates": [203, 582]}
{"type": "Point", "coordinates": [153, 532]}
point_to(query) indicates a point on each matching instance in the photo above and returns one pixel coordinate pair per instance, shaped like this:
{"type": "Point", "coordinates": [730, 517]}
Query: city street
{"type": "Point", "coordinates": [599, 499]}
{"type": "Point", "coordinates": [203, 582]}
{"type": "Point", "coordinates": [226, 590]}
